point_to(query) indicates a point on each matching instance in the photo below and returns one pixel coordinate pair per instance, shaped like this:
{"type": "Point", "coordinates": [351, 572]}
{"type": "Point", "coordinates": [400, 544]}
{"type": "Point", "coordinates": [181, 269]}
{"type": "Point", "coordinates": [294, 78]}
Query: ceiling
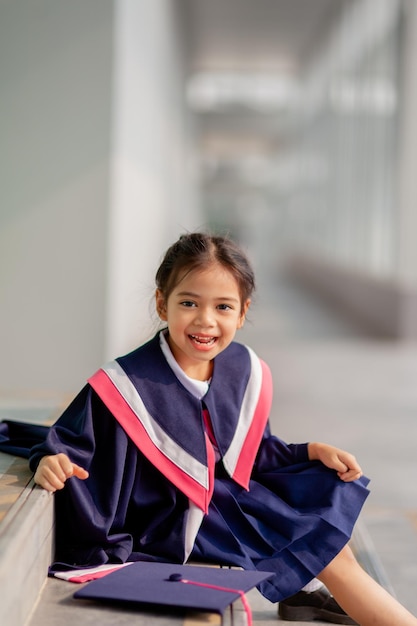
{"type": "Point", "coordinates": [258, 35]}
{"type": "Point", "coordinates": [246, 58]}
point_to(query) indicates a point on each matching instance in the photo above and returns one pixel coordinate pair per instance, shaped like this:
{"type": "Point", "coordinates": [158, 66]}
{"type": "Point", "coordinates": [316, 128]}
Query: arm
{"type": "Point", "coordinates": [275, 453]}
{"type": "Point", "coordinates": [344, 463]}
{"type": "Point", "coordinates": [90, 514]}
{"type": "Point", "coordinates": [65, 451]}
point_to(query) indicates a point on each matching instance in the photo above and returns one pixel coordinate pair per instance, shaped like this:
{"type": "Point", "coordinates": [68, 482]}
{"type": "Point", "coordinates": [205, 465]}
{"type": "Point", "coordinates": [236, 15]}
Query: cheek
{"type": "Point", "coordinates": [175, 322]}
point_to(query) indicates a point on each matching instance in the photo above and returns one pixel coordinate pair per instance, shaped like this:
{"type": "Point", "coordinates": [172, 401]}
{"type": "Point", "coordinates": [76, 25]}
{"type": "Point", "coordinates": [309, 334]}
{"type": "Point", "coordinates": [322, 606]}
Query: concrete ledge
{"type": "Point", "coordinates": [26, 546]}
{"type": "Point", "coordinates": [58, 607]}
{"type": "Point", "coordinates": [386, 307]}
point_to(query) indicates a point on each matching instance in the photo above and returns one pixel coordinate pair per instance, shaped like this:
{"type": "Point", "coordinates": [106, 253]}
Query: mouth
{"type": "Point", "coordinates": [203, 340]}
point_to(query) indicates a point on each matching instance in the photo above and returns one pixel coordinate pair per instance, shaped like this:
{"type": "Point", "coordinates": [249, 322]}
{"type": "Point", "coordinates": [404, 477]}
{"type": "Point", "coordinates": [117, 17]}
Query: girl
{"type": "Point", "coordinates": [175, 461]}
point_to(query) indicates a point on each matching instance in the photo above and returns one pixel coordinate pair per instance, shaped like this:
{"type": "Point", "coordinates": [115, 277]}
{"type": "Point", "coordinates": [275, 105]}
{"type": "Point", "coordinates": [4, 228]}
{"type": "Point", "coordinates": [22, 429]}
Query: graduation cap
{"type": "Point", "coordinates": [166, 585]}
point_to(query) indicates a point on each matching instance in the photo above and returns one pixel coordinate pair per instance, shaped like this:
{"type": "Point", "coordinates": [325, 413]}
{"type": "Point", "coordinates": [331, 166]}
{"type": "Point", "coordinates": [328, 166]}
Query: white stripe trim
{"type": "Point", "coordinates": [194, 519]}
{"type": "Point", "coordinates": [250, 401]}
{"type": "Point", "coordinates": [187, 463]}
{"type": "Point", "coordinates": [78, 573]}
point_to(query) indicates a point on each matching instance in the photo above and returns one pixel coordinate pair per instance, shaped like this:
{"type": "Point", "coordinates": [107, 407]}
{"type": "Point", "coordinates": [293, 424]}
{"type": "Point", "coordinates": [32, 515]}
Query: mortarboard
{"type": "Point", "coordinates": [149, 584]}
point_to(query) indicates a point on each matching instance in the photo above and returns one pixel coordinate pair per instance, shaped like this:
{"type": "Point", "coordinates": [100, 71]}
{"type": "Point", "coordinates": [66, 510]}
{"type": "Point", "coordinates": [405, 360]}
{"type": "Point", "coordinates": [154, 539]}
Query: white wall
{"type": "Point", "coordinates": [55, 73]}
{"type": "Point", "coordinates": [95, 143]}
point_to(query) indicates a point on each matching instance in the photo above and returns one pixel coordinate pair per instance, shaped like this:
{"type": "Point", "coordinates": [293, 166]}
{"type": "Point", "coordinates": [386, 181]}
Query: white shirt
{"type": "Point", "coordinates": [198, 388]}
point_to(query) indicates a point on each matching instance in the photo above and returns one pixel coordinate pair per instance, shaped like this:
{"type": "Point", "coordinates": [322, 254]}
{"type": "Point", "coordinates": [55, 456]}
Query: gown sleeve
{"type": "Point", "coordinates": [72, 434]}
{"type": "Point", "coordinates": [90, 514]}
{"type": "Point", "coordinates": [274, 453]}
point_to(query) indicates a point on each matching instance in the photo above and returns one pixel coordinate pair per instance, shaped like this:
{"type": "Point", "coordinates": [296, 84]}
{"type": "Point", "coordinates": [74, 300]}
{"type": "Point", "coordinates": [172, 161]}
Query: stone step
{"type": "Point", "coordinates": [58, 607]}
{"type": "Point", "coordinates": [26, 540]}
{"type": "Point", "coordinates": [26, 516]}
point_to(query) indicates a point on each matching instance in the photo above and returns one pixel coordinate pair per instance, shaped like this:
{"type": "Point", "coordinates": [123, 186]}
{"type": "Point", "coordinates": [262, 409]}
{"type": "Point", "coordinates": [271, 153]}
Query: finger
{"type": "Point", "coordinates": [350, 475]}
{"type": "Point", "coordinates": [53, 479]}
{"type": "Point", "coordinates": [350, 462]}
{"type": "Point", "coordinates": [48, 480]}
{"type": "Point", "coordinates": [57, 472]}
{"type": "Point", "coordinates": [64, 468]}
{"type": "Point", "coordinates": [47, 486]}
{"type": "Point", "coordinates": [353, 464]}
{"type": "Point", "coordinates": [340, 466]}
{"type": "Point", "coordinates": [79, 472]}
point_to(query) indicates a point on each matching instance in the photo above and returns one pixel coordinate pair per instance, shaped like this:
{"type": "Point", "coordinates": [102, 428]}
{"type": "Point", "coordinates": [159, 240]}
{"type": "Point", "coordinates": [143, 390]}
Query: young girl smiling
{"type": "Point", "coordinates": [166, 455]}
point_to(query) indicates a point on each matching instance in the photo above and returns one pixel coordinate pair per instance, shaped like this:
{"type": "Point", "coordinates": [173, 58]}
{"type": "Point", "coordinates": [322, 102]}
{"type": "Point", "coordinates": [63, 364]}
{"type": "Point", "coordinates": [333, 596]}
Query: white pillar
{"type": "Point", "coordinates": [406, 223]}
{"type": "Point", "coordinates": [407, 207]}
{"type": "Point", "coordinates": [152, 197]}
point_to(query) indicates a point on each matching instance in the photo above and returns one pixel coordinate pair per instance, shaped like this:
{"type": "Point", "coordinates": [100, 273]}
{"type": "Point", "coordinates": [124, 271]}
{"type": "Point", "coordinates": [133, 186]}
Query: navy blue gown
{"type": "Point", "coordinates": [283, 513]}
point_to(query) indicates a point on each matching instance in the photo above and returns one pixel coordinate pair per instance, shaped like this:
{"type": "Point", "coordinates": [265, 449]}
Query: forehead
{"type": "Point", "coordinates": [216, 277]}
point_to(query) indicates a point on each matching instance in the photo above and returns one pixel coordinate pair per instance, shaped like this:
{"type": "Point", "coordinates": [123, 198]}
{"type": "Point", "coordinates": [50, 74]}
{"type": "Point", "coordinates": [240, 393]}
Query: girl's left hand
{"type": "Point", "coordinates": [344, 463]}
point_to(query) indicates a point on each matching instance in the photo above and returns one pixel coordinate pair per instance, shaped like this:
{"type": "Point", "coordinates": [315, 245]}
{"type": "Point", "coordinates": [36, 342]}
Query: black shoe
{"type": "Point", "coordinates": [307, 607]}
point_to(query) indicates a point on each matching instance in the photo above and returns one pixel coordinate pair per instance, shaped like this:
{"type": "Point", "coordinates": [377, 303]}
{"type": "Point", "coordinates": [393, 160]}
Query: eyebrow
{"type": "Point", "coordinates": [191, 294]}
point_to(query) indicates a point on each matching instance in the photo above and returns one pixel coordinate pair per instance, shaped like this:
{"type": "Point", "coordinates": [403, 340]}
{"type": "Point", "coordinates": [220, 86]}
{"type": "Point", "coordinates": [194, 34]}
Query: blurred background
{"type": "Point", "coordinates": [289, 124]}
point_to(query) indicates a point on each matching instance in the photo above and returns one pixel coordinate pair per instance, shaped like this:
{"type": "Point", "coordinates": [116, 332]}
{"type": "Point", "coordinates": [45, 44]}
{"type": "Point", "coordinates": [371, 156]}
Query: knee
{"type": "Point", "coordinates": [347, 555]}
{"type": "Point", "coordinates": [340, 566]}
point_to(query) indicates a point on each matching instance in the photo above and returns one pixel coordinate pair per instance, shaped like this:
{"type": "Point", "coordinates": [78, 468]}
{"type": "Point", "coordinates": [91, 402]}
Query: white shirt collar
{"type": "Point", "coordinates": [198, 388]}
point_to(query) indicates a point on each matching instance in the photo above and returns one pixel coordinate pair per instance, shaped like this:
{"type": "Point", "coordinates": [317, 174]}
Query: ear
{"type": "Point", "coordinates": [242, 317]}
{"type": "Point", "coordinates": [161, 308]}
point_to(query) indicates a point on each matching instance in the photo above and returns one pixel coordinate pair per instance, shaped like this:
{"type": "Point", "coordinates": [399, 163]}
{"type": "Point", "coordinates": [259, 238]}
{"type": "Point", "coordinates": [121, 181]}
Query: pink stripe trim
{"type": "Point", "coordinates": [85, 578]}
{"type": "Point", "coordinates": [211, 460]}
{"type": "Point", "coordinates": [245, 602]}
{"type": "Point", "coordinates": [129, 421]}
{"type": "Point", "coordinates": [250, 446]}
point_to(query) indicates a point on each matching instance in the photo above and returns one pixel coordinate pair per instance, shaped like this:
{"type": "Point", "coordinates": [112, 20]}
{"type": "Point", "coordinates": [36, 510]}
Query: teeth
{"type": "Point", "coordinates": [202, 339]}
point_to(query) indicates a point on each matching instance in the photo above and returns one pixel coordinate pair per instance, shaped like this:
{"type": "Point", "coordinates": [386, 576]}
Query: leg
{"type": "Point", "coordinates": [361, 596]}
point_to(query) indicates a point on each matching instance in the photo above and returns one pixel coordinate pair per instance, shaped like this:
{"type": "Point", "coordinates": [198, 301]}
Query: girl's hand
{"type": "Point", "coordinates": [54, 470]}
{"type": "Point", "coordinates": [343, 462]}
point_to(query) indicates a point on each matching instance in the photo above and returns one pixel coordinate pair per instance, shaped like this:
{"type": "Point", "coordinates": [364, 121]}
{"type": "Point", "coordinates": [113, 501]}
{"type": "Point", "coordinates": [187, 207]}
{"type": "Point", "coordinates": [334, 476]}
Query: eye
{"type": "Point", "coordinates": [187, 303]}
{"type": "Point", "coordinates": [225, 307]}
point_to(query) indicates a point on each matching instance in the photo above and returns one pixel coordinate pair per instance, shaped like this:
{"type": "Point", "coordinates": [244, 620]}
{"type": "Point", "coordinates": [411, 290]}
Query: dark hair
{"type": "Point", "coordinates": [198, 251]}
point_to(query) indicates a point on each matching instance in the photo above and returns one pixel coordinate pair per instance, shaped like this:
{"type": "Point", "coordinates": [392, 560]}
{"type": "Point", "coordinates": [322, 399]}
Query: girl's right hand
{"type": "Point", "coordinates": [54, 470]}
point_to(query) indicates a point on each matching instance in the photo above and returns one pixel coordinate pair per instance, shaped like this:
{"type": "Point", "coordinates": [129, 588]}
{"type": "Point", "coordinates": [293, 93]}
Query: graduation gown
{"type": "Point", "coordinates": [155, 491]}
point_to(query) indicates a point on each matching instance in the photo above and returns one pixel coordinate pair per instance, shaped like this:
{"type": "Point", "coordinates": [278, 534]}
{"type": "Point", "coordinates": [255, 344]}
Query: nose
{"type": "Point", "coordinates": [205, 317]}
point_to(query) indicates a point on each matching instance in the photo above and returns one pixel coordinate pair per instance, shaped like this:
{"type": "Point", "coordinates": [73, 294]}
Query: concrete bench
{"type": "Point", "coordinates": [26, 540]}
